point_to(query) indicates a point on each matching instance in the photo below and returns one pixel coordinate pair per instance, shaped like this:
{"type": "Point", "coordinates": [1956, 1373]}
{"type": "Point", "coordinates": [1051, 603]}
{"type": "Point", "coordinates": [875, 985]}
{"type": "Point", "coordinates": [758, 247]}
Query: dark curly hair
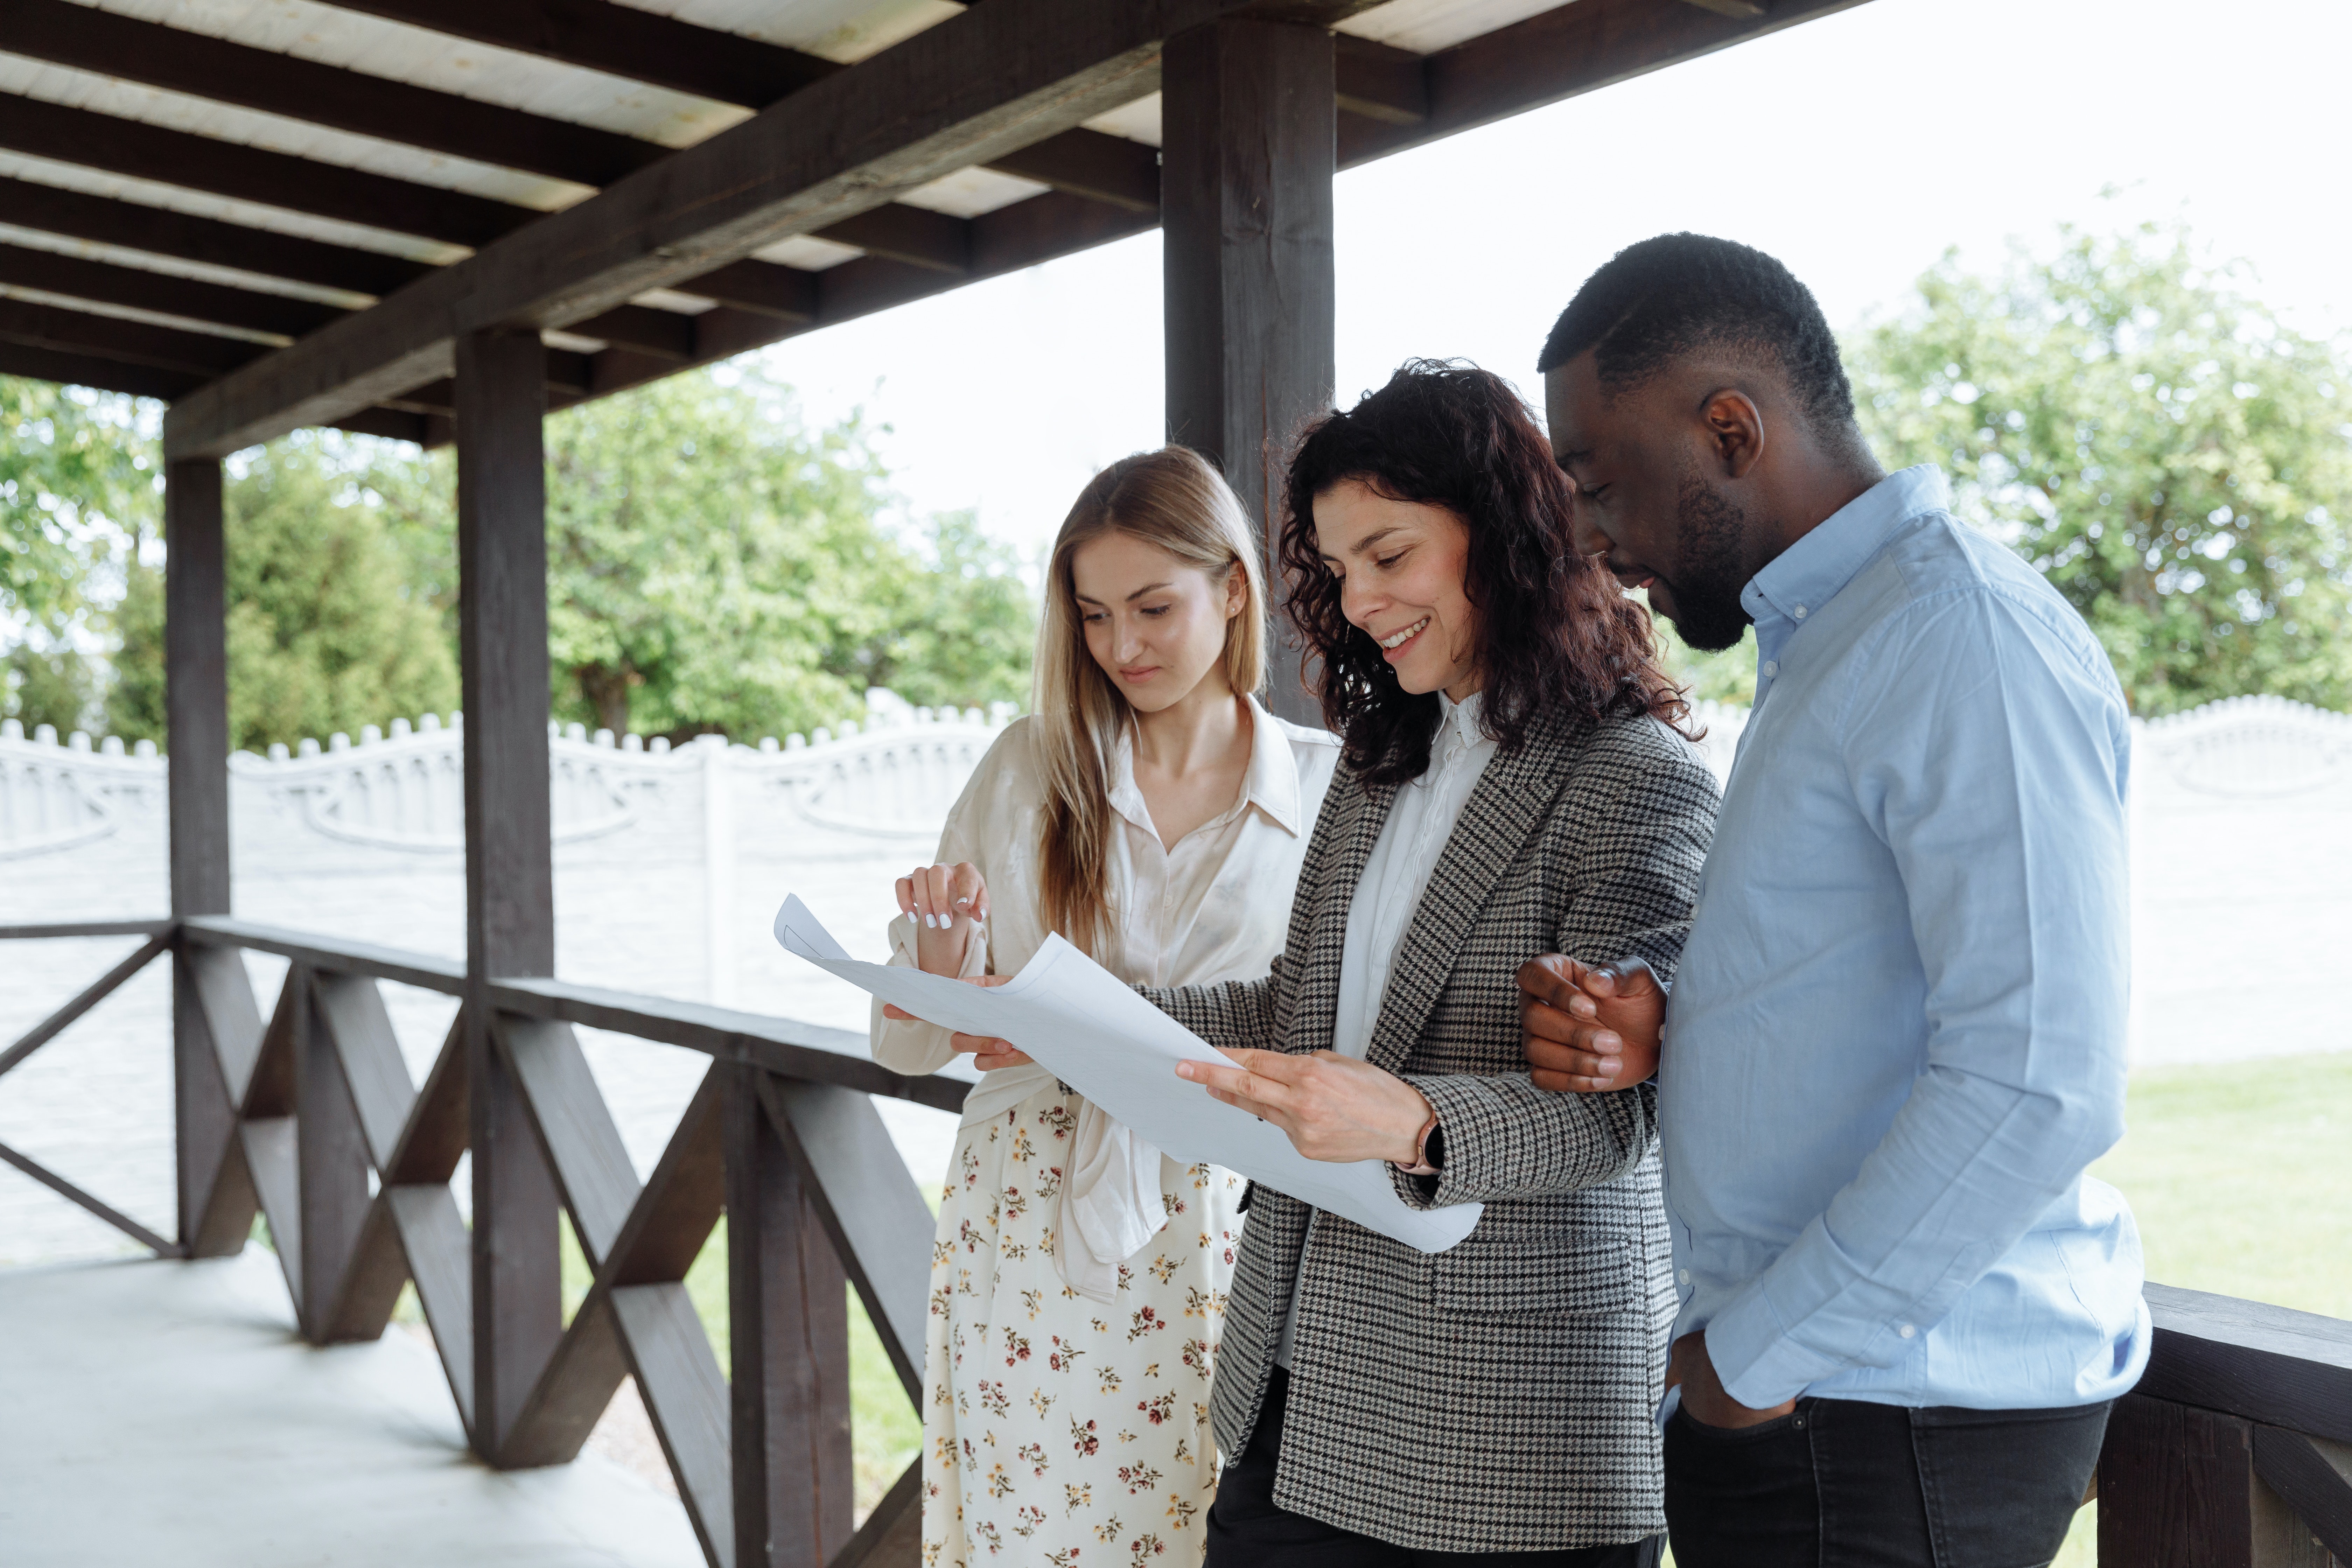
{"type": "Point", "coordinates": [1657, 301]}
{"type": "Point", "coordinates": [1554, 635]}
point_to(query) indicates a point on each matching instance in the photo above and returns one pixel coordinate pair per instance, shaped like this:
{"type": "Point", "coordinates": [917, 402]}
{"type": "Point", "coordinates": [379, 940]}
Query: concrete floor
{"type": "Point", "coordinates": [156, 1412]}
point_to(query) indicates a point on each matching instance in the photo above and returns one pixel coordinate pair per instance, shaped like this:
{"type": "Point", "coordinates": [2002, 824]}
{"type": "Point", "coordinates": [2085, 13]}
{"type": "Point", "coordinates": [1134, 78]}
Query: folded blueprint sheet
{"type": "Point", "coordinates": [1092, 1032]}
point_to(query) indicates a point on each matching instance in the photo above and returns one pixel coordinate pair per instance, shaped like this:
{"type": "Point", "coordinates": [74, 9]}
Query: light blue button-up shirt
{"type": "Point", "coordinates": [1896, 1036]}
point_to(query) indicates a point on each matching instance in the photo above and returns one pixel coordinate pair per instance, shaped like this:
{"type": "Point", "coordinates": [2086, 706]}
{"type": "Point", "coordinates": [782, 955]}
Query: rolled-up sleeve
{"type": "Point", "coordinates": [1993, 774]}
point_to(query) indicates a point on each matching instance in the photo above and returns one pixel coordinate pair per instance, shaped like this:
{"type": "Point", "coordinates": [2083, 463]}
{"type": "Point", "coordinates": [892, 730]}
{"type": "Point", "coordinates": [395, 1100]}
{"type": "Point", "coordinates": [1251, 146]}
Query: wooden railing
{"type": "Point", "coordinates": [780, 1137]}
{"type": "Point", "coordinates": [2234, 1453]}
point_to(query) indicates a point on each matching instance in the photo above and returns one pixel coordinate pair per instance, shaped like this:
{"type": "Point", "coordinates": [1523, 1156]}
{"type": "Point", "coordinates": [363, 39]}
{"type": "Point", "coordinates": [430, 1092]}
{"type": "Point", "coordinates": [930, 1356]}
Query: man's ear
{"type": "Point", "coordinates": [1735, 428]}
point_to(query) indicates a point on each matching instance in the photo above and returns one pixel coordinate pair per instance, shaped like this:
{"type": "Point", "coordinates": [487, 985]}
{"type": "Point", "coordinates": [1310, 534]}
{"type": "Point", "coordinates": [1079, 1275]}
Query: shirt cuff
{"type": "Point", "coordinates": [1755, 1358]}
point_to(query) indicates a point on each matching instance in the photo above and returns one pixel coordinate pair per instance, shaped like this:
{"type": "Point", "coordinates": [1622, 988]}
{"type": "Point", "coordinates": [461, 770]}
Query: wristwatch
{"type": "Point", "coordinates": [1430, 1149]}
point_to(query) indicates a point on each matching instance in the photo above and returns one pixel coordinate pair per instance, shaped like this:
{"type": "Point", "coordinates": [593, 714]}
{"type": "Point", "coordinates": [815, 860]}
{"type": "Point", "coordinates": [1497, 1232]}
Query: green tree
{"type": "Point", "coordinates": [2172, 457]}
{"type": "Point", "coordinates": [76, 494]}
{"type": "Point", "coordinates": [327, 629]}
{"type": "Point", "coordinates": [714, 567]}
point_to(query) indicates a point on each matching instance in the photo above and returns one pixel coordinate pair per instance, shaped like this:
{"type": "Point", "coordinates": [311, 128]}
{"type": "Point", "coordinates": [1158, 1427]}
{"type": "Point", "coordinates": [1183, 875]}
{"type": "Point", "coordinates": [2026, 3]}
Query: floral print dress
{"type": "Point", "coordinates": [1062, 1432]}
{"type": "Point", "coordinates": [1060, 1428]}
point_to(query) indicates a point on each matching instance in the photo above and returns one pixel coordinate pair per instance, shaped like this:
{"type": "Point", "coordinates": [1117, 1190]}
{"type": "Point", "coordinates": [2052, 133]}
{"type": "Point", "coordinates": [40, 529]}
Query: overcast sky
{"type": "Point", "coordinates": [1856, 149]}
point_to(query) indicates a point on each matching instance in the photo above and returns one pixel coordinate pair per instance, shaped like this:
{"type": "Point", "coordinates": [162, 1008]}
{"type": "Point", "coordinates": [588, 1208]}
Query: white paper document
{"type": "Point", "coordinates": [1092, 1032]}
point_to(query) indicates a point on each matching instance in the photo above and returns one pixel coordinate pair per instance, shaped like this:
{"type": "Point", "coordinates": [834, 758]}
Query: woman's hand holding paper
{"type": "Point", "coordinates": [989, 1053]}
{"type": "Point", "coordinates": [1333, 1107]}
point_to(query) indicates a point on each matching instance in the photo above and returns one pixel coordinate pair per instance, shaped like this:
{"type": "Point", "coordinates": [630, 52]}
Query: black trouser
{"type": "Point", "coordinates": [1246, 1530]}
{"type": "Point", "coordinates": [1842, 1484]}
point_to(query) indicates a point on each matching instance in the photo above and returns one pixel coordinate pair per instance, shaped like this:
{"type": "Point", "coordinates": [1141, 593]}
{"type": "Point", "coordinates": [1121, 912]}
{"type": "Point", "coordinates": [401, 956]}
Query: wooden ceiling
{"type": "Point", "coordinates": [277, 212]}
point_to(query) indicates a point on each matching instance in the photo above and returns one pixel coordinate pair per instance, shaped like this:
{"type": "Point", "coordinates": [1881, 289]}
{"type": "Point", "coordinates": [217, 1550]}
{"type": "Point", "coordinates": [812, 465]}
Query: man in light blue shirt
{"type": "Point", "coordinates": [1896, 1039]}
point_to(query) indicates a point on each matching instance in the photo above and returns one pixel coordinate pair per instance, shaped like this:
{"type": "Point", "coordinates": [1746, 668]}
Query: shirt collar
{"type": "Point", "coordinates": [1463, 717]}
{"type": "Point", "coordinates": [1809, 573]}
{"type": "Point", "coordinates": [1271, 784]}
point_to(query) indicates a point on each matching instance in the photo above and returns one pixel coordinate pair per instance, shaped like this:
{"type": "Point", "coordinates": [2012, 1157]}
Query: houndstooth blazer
{"type": "Point", "coordinates": [1499, 1396]}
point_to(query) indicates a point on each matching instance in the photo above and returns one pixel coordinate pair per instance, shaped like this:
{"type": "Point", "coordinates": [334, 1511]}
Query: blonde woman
{"type": "Point", "coordinates": [1153, 813]}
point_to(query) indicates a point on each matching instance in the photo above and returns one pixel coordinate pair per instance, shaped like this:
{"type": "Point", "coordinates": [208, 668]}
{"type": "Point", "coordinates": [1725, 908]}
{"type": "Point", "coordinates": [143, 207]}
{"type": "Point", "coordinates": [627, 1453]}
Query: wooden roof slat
{"type": "Point", "coordinates": [112, 337]}
{"type": "Point", "coordinates": [138, 289]}
{"type": "Point", "coordinates": [64, 33]}
{"type": "Point", "coordinates": [1556, 54]}
{"type": "Point", "coordinates": [912, 234]}
{"type": "Point", "coordinates": [1003, 76]}
{"type": "Point", "coordinates": [727, 68]}
{"type": "Point", "coordinates": [161, 232]}
{"type": "Point", "coordinates": [38, 363]}
{"type": "Point", "coordinates": [620, 40]}
{"type": "Point", "coordinates": [252, 173]}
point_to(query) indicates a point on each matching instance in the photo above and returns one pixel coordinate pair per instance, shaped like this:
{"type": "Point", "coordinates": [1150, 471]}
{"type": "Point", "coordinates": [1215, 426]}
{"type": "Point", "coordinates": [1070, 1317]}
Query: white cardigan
{"type": "Point", "coordinates": [1215, 908]}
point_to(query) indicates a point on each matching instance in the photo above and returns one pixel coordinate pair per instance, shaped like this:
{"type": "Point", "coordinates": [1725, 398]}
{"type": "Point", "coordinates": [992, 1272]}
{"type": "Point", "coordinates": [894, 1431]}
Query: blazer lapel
{"type": "Point", "coordinates": [1511, 797]}
{"type": "Point", "coordinates": [1366, 805]}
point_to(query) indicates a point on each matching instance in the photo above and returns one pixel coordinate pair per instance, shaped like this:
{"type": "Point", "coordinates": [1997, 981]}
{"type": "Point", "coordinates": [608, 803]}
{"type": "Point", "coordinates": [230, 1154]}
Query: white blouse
{"type": "Point", "coordinates": [1216, 907]}
{"type": "Point", "coordinates": [1420, 824]}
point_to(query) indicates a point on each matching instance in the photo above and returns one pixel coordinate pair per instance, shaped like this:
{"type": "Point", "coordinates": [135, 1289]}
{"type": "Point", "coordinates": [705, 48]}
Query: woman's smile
{"type": "Point", "coordinates": [1397, 641]}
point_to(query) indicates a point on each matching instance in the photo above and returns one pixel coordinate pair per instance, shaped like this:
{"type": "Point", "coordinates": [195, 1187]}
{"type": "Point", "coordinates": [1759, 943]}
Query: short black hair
{"type": "Point", "coordinates": [1653, 302]}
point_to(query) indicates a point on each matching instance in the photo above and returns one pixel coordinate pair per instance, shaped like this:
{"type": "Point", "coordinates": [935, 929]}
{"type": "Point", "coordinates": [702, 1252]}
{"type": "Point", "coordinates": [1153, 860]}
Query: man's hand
{"type": "Point", "coordinates": [1586, 1030]}
{"type": "Point", "coordinates": [1703, 1394]}
{"type": "Point", "coordinates": [989, 1053]}
{"type": "Point", "coordinates": [1333, 1107]}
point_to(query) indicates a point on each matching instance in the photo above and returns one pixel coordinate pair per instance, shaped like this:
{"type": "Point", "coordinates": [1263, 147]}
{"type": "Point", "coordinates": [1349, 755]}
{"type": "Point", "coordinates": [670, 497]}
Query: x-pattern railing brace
{"type": "Point", "coordinates": [159, 940]}
{"type": "Point", "coordinates": [291, 1116]}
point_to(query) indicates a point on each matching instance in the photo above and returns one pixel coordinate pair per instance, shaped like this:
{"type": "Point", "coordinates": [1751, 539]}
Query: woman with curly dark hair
{"type": "Point", "coordinates": [1512, 784]}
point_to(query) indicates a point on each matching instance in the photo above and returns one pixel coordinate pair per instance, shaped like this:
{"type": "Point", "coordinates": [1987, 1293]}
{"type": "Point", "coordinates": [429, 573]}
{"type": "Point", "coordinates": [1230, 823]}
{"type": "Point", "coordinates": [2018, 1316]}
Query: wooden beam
{"type": "Point", "coordinates": [621, 40]}
{"type": "Point", "coordinates": [789, 1309]}
{"type": "Point", "coordinates": [2175, 1485]}
{"type": "Point", "coordinates": [195, 687]}
{"type": "Point", "coordinates": [160, 232]}
{"type": "Point", "coordinates": [509, 895]}
{"type": "Point", "coordinates": [102, 1210]}
{"type": "Point", "coordinates": [1377, 80]}
{"type": "Point", "coordinates": [782, 1045]}
{"type": "Point", "coordinates": [194, 162]}
{"type": "Point", "coordinates": [138, 288]}
{"type": "Point", "coordinates": [90, 997]}
{"type": "Point", "coordinates": [1004, 75]}
{"type": "Point", "coordinates": [1558, 54]}
{"type": "Point", "coordinates": [1742, 9]}
{"type": "Point", "coordinates": [1249, 291]}
{"type": "Point", "coordinates": [114, 337]}
{"type": "Point", "coordinates": [2272, 1364]}
{"type": "Point", "coordinates": [1088, 163]}
{"type": "Point", "coordinates": [913, 235]}
{"type": "Point", "coordinates": [731, 69]}
{"type": "Point", "coordinates": [202, 67]}
{"type": "Point", "coordinates": [763, 288]}
{"type": "Point", "coordinates": [89, 369]}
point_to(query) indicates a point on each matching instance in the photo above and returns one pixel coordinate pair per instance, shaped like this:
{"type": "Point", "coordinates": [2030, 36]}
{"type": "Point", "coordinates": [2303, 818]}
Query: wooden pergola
{"type": "Point", "coordinates": [436, 220]}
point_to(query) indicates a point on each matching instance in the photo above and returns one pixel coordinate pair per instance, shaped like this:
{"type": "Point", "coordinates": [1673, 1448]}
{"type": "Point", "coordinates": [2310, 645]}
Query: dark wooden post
{"type": "Point", "coordinates": [195, 718]}
{"type": "Point", "coordinates": [788, 1300]}
{"type": "Point", "coordinates": [509, 887]}
{"type": "Point", "coordinates": [1248, 127]}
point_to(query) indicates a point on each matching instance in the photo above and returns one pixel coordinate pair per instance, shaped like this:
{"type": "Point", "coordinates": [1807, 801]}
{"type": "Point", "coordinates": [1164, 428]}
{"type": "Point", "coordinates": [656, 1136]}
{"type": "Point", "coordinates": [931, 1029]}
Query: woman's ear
{"type": "Point", "coordinates": [1236, 590]}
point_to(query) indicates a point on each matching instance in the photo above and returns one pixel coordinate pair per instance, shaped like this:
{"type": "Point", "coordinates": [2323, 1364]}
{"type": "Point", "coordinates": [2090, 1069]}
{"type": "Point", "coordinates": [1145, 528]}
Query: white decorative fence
{"type": "Point", "coordinates": [669, 864]}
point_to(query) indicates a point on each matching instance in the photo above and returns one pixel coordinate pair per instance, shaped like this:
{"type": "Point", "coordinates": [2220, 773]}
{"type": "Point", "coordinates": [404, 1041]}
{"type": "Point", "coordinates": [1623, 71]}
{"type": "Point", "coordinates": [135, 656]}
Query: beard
{"type": "Point", "coordinates": [1705, 587]}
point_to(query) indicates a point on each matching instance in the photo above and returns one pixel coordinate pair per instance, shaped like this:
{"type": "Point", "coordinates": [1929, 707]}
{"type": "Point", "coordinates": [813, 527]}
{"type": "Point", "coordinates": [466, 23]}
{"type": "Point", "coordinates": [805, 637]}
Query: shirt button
{"type": "Point", "coordinates": [1908, 1331]}
{"type": "Point", "coordinates": [1772, 667]}
{"type": "Point", "coordinates": [1683, 1275]}
{"type": "Point", "coordinates": [1800, 612]}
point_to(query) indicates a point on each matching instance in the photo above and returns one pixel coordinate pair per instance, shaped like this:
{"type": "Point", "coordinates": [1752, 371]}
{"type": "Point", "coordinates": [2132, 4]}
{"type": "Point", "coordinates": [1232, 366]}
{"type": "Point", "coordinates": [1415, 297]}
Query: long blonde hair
{"type": "Point", "coordinates": [1177, 501]}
